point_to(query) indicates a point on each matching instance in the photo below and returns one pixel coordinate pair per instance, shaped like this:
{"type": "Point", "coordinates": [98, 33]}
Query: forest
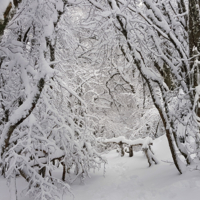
{"type": "Point", "coordinates": [104, 86]}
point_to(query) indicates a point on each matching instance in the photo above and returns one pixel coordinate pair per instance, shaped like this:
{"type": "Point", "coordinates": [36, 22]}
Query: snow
{"type": "Point", "coordinates": [198, 89]}
{"type": "Point", "coordinates": [130, 178]}
{"type": "Point", "coordinates": [144, 142]}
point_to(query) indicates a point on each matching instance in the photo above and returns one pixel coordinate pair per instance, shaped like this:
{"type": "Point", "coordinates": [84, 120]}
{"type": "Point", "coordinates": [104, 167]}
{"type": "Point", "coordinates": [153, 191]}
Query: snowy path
{"type": "Point", "coordinates": [131, 179]}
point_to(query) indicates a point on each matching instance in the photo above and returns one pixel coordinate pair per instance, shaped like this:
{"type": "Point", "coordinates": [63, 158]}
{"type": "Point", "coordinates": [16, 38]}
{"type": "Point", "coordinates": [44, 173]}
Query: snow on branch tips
{"type": "Point", "coordinates": [42, 119]}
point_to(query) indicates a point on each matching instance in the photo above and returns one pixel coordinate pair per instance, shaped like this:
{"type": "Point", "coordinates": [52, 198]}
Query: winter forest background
{"type": "Point", "coordinates": [109, 85]}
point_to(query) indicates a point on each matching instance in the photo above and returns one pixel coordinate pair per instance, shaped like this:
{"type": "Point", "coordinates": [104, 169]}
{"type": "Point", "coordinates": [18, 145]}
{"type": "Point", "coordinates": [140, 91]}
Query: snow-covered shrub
{"type": "Point", "coordinates": [43, 120]}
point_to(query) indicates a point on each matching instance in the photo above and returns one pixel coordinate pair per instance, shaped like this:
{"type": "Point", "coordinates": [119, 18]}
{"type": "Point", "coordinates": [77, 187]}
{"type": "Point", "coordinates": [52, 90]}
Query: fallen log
{"type": "Point", "coordinates": [145, 144]}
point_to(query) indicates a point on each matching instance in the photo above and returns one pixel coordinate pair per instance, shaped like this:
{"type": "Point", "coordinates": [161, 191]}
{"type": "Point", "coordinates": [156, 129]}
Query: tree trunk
{"type": "Point", "coordinates": [121, 148]}
{"type": "Point", "coordinates": [64, 171]}
{"type": "Point", "coordinates": [194, 38]}
{"type": "Point", "coordinates": [173, 151]}
{"type": "Point", "coordinates": [149, 155]}
{"type": "Point", "coordinates": [10, 127]}
{"type": "Point", "coordinates": [130, 151]}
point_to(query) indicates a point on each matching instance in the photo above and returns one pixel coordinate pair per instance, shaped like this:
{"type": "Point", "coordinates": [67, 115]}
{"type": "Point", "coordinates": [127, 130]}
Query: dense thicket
{"type": "Point", "coordinates": [67, 68]}
{"type": "Point", "coordinates": [159, 38]}
{"type": "Point", "coordinates": [43, 120]}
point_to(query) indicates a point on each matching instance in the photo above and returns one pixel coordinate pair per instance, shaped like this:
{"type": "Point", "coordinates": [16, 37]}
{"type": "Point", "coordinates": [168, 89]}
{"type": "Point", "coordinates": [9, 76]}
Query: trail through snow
{"type": "Point", "coordinates": [131, 179]}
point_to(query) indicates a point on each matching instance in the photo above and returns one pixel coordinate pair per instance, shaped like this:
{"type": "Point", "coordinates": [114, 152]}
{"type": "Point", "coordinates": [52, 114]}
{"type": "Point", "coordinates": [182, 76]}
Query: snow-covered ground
{"type": "Point", "coordinates": [131, 178]}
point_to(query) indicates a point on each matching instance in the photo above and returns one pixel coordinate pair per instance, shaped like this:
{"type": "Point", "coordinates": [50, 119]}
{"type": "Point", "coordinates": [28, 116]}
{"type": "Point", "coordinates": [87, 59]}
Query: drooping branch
{"type": "Point", "coordinates": [25, 112]}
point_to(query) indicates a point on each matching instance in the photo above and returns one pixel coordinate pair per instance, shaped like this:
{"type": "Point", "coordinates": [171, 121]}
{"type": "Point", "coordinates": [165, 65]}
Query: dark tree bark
{"type": "Point", "coordinates": [12, 127]}
{"type": "Point", "coordinates": [121, 148]}
{"type": "Point", "coordinates": [42, 171]}
{"type": "Point", "coordinates": [194, 44]}
{"type": "Point", "coordinates": [130, 151]}
{"type": "Point", "coordinates": [194, 37]}
{"type": "Point", "coordinates": [64, 171]}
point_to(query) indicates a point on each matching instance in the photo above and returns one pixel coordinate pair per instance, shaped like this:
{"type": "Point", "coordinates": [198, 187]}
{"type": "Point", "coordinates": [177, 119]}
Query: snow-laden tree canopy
{"type": "Point", "coordinates": [43, 120]}
{"type": "Point", "coordinates": [74, 70]}
{"type": "Point", "coordinates": [154, 37]}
